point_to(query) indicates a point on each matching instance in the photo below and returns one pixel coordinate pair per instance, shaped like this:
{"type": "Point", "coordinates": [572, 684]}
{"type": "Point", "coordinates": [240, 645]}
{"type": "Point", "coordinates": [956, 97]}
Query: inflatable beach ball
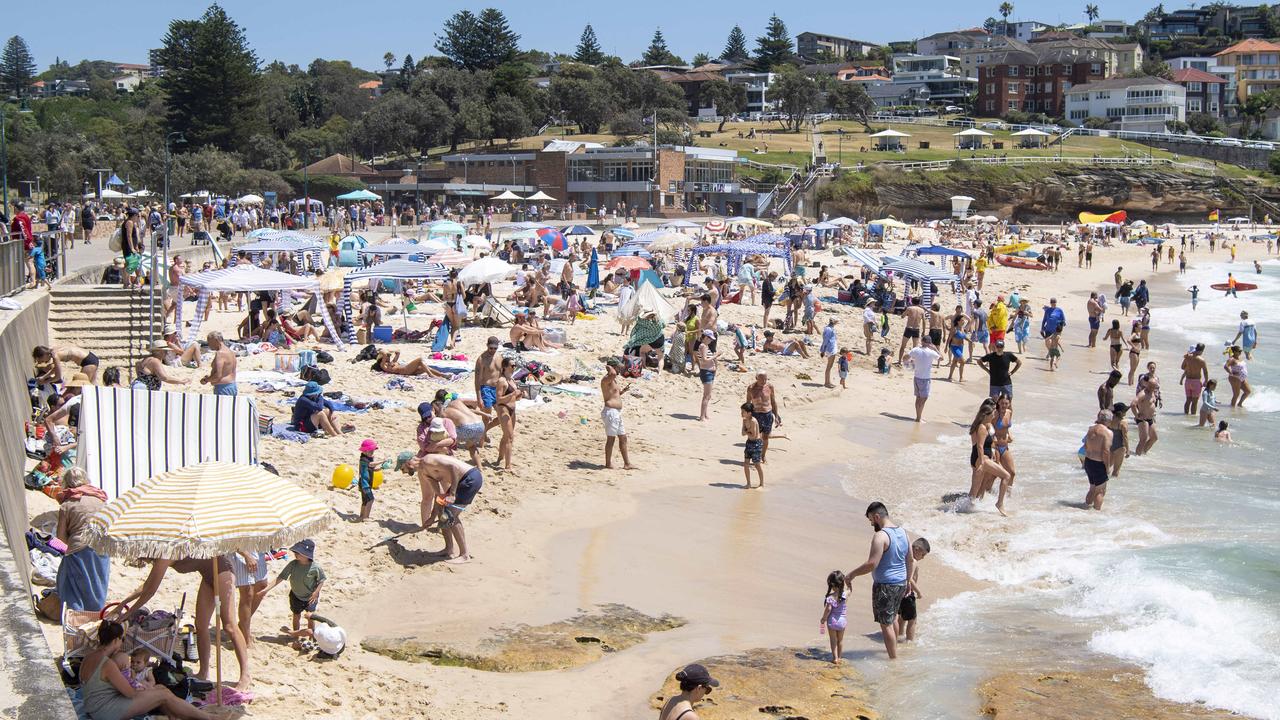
{"type": "Point", "coordinates": [377, 479]}
{"type": "Point", "coordinates": [342, 476]}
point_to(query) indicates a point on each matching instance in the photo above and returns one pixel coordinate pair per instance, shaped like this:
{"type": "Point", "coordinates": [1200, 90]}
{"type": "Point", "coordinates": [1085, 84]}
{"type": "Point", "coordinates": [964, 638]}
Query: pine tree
{"type": "Point", "coordinates": [589, 51]}
{"type": "Point", "coordinates": [459, 40]}
{"type": "Point", "coordinates": [657, 54]}
{"type": "Point", "coordinates": [210, 81]}
{"type": "Point", "coordinates": [735, 50]}
{"type": "Point", "coordinates": [774, 48]}
{"type": "Point", "coordinates": [499, 44]}
{"type": "Point", "coordinates": [17, 67]}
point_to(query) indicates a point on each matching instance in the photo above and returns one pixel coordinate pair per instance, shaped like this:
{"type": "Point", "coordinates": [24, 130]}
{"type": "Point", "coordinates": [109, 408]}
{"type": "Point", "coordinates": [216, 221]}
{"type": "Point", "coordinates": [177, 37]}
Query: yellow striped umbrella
{"type": "Point", "coordinates": [207, 510]}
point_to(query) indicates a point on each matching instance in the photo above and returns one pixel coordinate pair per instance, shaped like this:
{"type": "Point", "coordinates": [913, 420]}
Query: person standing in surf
{"type": "Point", "coordinates": [890, 564]}
{"type": "Point", "coordinates": [1097, 459]}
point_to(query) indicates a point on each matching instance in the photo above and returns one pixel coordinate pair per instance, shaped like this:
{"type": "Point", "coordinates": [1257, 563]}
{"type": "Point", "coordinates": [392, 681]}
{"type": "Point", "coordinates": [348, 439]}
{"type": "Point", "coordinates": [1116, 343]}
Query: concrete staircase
{"type": "Point", "coordinates": [108, 320]}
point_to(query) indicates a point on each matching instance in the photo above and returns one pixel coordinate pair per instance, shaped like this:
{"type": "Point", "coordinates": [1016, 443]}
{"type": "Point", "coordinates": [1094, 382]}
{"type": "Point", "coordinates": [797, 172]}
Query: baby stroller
{"type": "Point", "coordinates": [157, 632]}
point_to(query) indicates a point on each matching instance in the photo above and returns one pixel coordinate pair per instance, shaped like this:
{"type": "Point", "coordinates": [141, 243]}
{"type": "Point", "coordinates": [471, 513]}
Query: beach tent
{"type": "Point", "coordinates": [889, 139]}
{"type": "Point", "coordinates": [1030, 138]}
{"type": "Point", "coordinates": [926, 274]}
{"type": "Point", "coordinates": [935, 250]}
{"type": "Point", "coordinates": [866, 259]}
{"type": "Point", "coordinates": [970, 139]}
{"type": "Point", "coordinates": [646, 299]}
{"type": "Point", "coordinates": [389, 270]}
{"type": "Point", "coordinates": [766, 239]}
{"type": "Point", "coordinates": [372, 254]}
{"type": "Point", "coordinates": [358, 195]}
{"type": "Point", "coordinates": [650, 277]}
{"type": "Point", "coordinates": [250, 199]}
{"type": "Point", "coordinates": [316, 205]}
{"type": "Point", "coordinates": [128, 436]}
{"type": "Point", "coordinates": [249, 278]}
{"type": "Point", "coordinates": [735, 253]}
{"type": "Point", "coordinates": [304, 249]}
{"type": "Point", "coordinates": [880, 227]}
{"type": "Point", "coordinates": [506, 195]}
{"type": "Point", "coordinates": [540, 197]}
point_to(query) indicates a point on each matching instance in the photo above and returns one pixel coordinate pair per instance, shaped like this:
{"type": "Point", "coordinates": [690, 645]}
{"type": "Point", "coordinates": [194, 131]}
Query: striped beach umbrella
{"type": "Point", "coordinates": [205, 511]}
{"type": "Point", "coordinates": [451, 258]}
{"type": "Point", "coordinates": [715, 226]}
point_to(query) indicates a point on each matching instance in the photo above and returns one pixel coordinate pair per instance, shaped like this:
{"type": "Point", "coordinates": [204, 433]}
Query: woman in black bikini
{"type": "Point", "coordinates": [985, 468]}
{"type": "Point", "coordinates": [1115, 336]}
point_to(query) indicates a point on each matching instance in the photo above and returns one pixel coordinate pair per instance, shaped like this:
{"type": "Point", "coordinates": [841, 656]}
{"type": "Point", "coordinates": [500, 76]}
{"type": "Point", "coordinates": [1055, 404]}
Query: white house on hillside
{"type": "Point", "coordinates": [1139, 104]}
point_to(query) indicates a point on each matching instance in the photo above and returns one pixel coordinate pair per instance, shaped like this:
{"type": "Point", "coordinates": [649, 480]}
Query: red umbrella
{"type": "Point", "coordinates": [630, 262]}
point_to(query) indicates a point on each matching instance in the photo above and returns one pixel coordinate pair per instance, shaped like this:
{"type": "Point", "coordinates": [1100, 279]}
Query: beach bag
{"type": "Point", "coordinates": [115, 243]}
{"type": "Point", "coordinates": [306, 358]}
{"type": "Point", "coordinates": [632, 367]}
{"type": "Point", "coordinates": [368, 352]}
{"type": "Point", "coordinates": [323, 357]}
{"type": "Point", "coordinates": [287, 362]}
{"type": "Point", "coordinates": [314, 374]}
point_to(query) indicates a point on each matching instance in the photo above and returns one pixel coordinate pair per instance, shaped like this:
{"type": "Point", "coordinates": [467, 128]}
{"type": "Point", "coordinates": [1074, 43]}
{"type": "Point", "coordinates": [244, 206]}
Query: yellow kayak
{"type": "Point", "coordinates": [1010, 249]}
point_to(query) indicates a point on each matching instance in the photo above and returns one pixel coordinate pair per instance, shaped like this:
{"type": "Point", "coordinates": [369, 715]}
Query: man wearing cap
{"type": "Point", "coordinates": [695, 684]}
{"type": "Point", "coordinates": [891, 564]}
{"type": "Point", "coordinates": [487, 371]}
{"type": "Point", "coordinates": [222, 370]}
{"type": "Point", "coordinates": [611, 414]}
{"type": "Point", "coordinates": [1195, 373]}
{"type": "Point", "coordinates": [451, 485]}
{"type": "Point", "coordinates": [997, 365]}
{"type": "Point", "coordinates": [312, 412]}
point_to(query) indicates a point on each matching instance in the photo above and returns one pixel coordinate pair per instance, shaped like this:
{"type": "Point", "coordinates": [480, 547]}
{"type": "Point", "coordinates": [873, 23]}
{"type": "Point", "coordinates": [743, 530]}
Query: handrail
{"type": "Point", "coordinates": [1036, 159]}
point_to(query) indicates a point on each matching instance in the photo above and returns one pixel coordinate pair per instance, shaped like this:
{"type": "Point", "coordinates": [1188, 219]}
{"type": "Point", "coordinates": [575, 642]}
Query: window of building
{"type": "Point", "coordinates": [991, 106]}
{"type": "Point", "coordinates": [1013, 88]}
{"type": "Point", "coordinates": [1193, 104]}
{"type": "Point", "coordinates": [1213, 107]}
{"type": "Point", "coordinates": [1195, 87]}
{"type": "Point", "coordinates": [1012, 71]}
{"type": "Point", "coordinates": [991, 88]}
{"type": "Point", "coordinates": [1079, 114]}
{"type": "Point", "coordinates": [1102, 95]}
{"type": "Point", "coordinates": [1013, 104]}
{"type": "Point", "coordinates": [1095, 69]}
{"type": "Point", "coordinates": [1115, 112]}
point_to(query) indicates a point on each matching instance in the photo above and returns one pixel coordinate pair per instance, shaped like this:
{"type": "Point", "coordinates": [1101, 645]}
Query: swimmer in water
{"type": "Point", "coordinates": [1222, 434]}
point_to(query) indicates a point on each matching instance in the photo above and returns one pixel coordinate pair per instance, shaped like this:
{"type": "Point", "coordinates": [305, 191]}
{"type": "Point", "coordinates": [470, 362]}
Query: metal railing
{"type": "Point", "coordinates": [1037, 159]}
{"type": "Point", "coordinates": [13, 259]}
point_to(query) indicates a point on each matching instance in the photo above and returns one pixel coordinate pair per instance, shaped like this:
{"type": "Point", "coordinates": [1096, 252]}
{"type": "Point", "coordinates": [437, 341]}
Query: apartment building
{"type": "Point", "coordinates": [1034, 78]}
{"type": "Point", "coordinates": [811, 45]}
{"type": "Point", "coordinates": [1256, 64]}
{"type": "Point", "coordinates": [945, 43]}
{"type": "Point", "coordinates": [941, 75]}
{"type": "Point", "coordinates": [1141, 104]}
{"type": "Point", "coordinates": [1206, 92]}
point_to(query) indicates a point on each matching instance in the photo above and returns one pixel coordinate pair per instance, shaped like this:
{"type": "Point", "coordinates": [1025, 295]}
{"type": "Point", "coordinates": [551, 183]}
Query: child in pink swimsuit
{"type": "Point", "coordinates": [833, 614]}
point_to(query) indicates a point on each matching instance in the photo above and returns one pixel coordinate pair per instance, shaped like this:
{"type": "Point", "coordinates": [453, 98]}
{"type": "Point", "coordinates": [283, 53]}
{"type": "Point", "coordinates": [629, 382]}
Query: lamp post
{"type": "Point", "coordinates": [155, 232]}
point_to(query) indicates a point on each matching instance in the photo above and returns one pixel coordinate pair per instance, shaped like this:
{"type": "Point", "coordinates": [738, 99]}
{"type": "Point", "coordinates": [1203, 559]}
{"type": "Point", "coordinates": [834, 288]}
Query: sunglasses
{"type": "Point", "coordinates": [708, 688]}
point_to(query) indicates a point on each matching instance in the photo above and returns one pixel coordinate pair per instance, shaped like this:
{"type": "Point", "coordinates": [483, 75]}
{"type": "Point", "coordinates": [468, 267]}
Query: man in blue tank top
{"type": "Point", "coordinates": [890, 564]}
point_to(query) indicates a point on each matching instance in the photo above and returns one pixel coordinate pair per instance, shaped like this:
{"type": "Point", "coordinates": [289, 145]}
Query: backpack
{"type": "Point", "coordinates": [368, 352]}
{"type": "Point", "coordinates": [323, 357]}
{"type": "Point", "coordinates": [311, 373]}
{"type": "Point", "coordinates": [632, 366]}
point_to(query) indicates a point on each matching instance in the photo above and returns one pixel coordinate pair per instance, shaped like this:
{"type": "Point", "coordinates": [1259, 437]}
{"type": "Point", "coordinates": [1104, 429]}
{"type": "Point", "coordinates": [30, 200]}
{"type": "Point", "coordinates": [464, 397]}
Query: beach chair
{"type": "Point", "coordinates": [496, 313]}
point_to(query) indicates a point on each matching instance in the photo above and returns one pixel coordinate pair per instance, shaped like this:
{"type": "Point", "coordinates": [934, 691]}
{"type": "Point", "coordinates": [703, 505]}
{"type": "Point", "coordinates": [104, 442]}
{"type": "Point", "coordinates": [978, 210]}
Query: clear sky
{"type": "Point", "coordinates": [362, 32]}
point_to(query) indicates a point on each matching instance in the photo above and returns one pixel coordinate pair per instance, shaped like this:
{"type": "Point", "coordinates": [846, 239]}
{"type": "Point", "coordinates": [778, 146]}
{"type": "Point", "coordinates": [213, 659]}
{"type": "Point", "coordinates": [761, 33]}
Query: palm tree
{"type": "Point", "coordinates": [1091, 12]}
{"type": "Point", "coordinates": [1006, 9]}
{"type": "Point", "coordinates": [389, 59]}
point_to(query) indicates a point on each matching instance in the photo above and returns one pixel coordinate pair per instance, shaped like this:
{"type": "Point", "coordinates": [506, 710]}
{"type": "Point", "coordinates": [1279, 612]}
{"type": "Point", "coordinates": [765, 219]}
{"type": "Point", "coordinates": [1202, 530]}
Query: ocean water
{"type": "Point", "coordinates": [1179, 575]}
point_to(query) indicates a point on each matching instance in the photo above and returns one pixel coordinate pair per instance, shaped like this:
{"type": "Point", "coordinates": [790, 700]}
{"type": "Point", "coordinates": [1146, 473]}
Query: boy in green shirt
{"type": "Point", "coordinates": [305, 580]}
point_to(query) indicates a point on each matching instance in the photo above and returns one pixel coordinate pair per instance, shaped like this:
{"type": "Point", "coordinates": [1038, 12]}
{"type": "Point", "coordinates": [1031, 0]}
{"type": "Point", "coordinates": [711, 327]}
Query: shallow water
{"type": "Point", "coordinates": [1179, 575]}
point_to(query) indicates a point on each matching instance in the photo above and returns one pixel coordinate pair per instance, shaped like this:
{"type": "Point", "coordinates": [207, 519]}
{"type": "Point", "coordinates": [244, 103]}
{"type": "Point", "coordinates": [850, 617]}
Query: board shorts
{"type": "Point", "coordinates": [766, 422]}
{"type": "Point", "coordinates": [922, 387]}
{"type": "Point", "coordinates": [297, 604]}
{"type": "Point", "coordinates": [753, 451]}
{"type": "Point", "coordinates": [907, 608]}
{"type": "Point", "coordinates": [707, 376]}
{"type": "Point", "coordinates": [997, 335]}
{"type": "Point", "coordinates": [470, 433]}
{"type": "Point", "coordinates": [885, 600]}
{"type": "Point", "coordinates": [488, 395]}
{"type": "Point", "coordinates": [1096, 471]}
{"type": "Point", "coordinates": [228, 389]}
{"type": "Point", "coordinates": [910, 333]}
{"type": "Point", "coordinates": [468, 486]}
{"type": "Point", "coordinates": [1193, 388]}
{"type": "Point", "coordinates": [613, 425]}
{"type": "Point", "coordinates": [935, 337]}
{"type": "Point", "coordinates": [1095, 322]}
{"type": "Point", "coordinates": [998, 390]}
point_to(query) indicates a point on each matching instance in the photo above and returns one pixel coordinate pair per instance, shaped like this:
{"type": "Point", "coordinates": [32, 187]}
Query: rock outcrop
{"type": "Point", "coordinates": [1037, 193]}
{"type": "Point", "coordinates": [1071, 695]}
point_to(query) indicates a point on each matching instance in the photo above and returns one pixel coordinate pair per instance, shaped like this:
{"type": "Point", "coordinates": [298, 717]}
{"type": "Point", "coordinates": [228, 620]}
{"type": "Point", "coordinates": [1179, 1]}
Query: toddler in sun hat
{"type": "Point", "coordinates": [367, 466]}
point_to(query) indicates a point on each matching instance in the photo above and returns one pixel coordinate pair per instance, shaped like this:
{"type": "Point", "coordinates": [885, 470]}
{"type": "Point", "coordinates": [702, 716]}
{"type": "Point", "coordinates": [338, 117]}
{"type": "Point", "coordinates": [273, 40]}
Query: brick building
{"type": "Point", "coordinates": [1034, 78]}
{"type": "Point", "coordinates": [1206, 92]}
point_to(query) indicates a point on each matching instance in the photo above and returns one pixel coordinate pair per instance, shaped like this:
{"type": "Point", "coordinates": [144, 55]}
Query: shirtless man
{"type": "Point", "coordinates": [55, 357]}
{"type": "Point", "coordinates": [765, 401]}
{"type": "Point", "coordinates": [713, 291]}
{"type": "Point", "coordinates": [708, 316]}
{"type": "Point", "coordinates": [1097, 459]}
{"type": "Point", "coordinates": [937, 327]}
{"type": "Point", "coordinates": [914, 315]}
{"type": "Point", "coordinates": [1144, 413]}
{"type": "Point", "coordinates": [611, 414]}
{"type": "Point", "coordinates": [1095, 318]}
{"type": "Point", "coordinates": [453, 482]}
{"type": "Point", "coordinates": [566, 277]}
{"type": "Point", "coordinates": [1195, 373]}
{"type": "Point", "coordinates": [487, 371]}
{"type": "Point", "coordinates": [471, 422]}
{"type": "Point", "coordinates": [1107, 390]}
{"type": "Point", "coordinates": [222, 371]}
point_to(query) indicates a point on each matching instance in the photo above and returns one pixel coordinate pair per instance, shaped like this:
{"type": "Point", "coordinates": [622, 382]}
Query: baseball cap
{"type": "Point", "coordinates": [305, 548]}
{"type": "Point", "coordinates": [697, 675]}
{"type": "Point", "coordinates": [425, 411]}
{"type": "Point", "coordinates": [493, 341]}
{"type": "Point", "coordinates": [403, 459]}
{"type": "Point", "coordinates": [368, 446]}
{"type": "Point", "coordinates": [312, 388]}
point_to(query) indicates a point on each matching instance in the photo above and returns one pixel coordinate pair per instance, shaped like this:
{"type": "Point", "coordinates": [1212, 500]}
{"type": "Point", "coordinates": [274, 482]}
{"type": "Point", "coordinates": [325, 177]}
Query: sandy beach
{"type": "Point", "coordinates": [559, 534]}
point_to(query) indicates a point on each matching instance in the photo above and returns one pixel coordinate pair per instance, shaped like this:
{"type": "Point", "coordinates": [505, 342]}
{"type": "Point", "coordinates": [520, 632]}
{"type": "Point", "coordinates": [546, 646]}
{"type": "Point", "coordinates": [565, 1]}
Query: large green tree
{"type": "Point", "coordinates": [480, 42]}
{"type": "Point", "coordinates": [581, 96]}
{"type": "Point", "coordinates": [17, 67]}
{"type": "Point", "coordinates": [851, 98]}
{"type": "Point", "coordinates": [729, 98]}
{"type": "Point", "coordinates": [773, 49]}
{"type": "Point", "coordinates": [210, 81]}
{"type": "Point", "coordinates": [796, 95]}
{"type": "Point", "coordinates": [657, 52]}
{"type": "Point", "coordinates": [588, 50]}
{"type": "Point", "coordinates": [735, 48]}
{"type": "Point", "coordinates": [500, 43]}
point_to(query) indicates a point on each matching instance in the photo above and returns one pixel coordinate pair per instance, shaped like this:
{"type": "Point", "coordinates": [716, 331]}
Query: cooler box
{"type": "Point", "coordinates": [381, 333]}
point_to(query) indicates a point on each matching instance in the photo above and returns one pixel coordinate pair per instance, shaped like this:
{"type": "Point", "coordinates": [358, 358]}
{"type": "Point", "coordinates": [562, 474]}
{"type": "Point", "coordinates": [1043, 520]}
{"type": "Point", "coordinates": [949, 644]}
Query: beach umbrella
{"type": "Point", "coordinates": [477, 241]}
{"type": "Point", "coordinates": [715, 226]}
{"type": "Point", "coordinates": [437, 244]}
{"type": "Point", "coordinates": [540, 196]}
{"type": "Point", "coordinates": [451, 258]}
{"type": "Point", "coordinates": [553, 238]}
{"type": "Point", "coordinates": [445, 227]}
{"type": "Point", "coordinates": [578, 230]}
{"type": "Point", "coordinates": [205, 511]}
{"type": "Point", "coordinates": [628, 263]}
{"type": "Point", "coordinates": [791, 219]}
{"type": "Point", "coordinates": [671, 240]}
{"type": "Point", "coordinates": [678, 225]}
{"type": "Point", "coordinates": [630, 225]}
{"type": "Point", "coordinates": [593, 271]}
{"type": "Point", "coordinates": [623, 233]}
{"type": "Point", "coordinates": [486, 270]}
{"type": "Point", "coordinates": [506, 195]}
{"type": "Point", "coordinates": [634, 250]}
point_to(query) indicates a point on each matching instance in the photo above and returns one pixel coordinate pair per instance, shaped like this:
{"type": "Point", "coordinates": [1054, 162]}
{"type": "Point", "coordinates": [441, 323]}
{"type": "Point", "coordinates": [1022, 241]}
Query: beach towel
{"type": "Point", "coordinates": [127, 436]}
{"type": "Point", "coordinates": [442, 336]}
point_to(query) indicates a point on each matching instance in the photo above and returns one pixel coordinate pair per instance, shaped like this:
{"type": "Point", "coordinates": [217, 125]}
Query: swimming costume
{"type": "Point", "coordinates": [907, 608]}
{"type": "Point", "coordinates": [885, 600]}
{"type": "Point", "coordinates": [1094, 322]}
{"type": "Point", "coordinates": [1150, 421]}
{"type": "Point", "coordinates": [836, 619]}
{"type": "Point", "coordinates": [753, 451]}
{"type": "Point", "coordinates": [228, 389]}
{"type": "Point", "coordinates": [986, 450]}
{"type": "Point", "coordinates": [957, 351]}
{"type": "Point", "coordinates": [766, 422]}
{"type": "Point", "coordinates": [612, 418]}
{"type": "Point", "coordinates": [488, 395]}
{"type": "Point", "coordinates": [935, 337]}
{"type": "Point", "coordinates": [909, 333]}
{"type": "Point", "coordinates": [90, 359]}
{"type": "Point", "coordinates": [1096, 471]}
{"type": "Point", "coordinates": [468, 485]}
